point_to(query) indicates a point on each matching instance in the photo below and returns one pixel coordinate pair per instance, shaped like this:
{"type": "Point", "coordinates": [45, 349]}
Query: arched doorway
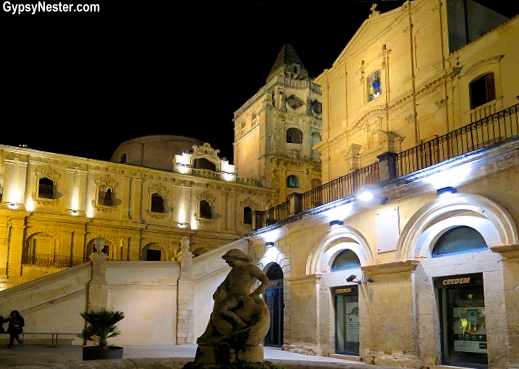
{"type": "Point", "coordinates": [275, 303]}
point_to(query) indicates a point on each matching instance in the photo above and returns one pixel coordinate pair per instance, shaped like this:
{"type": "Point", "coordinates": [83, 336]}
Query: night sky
{"type": "Point", "coordinates": [80, 84]}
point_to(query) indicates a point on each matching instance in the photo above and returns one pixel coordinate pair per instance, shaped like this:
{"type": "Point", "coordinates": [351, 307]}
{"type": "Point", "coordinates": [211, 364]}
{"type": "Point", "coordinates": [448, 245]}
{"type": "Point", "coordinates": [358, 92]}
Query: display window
{"type": "Point", "coordinates": [463, 320]}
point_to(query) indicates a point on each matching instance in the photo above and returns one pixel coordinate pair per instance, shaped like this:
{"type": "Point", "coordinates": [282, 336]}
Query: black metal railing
{"type": "Point", "coordinates": [492, 129]}
{"type": "Point", "coordinates": [50, 260]}
{"type": "Point", "coordinates": [484, 132]}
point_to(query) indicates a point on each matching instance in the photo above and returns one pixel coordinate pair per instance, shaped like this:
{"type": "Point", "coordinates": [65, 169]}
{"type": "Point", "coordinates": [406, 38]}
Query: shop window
{"type": "Point", "coordinates": [294, 136]}
{"type": "Point", "coordinates": [462, 320]}
{"type": "Point", "coordinates": [346, 260]}
{"type": "Point", "coordinates": [45, 188]}
{"type": "Point", "coordinates": [292, 182]}
{"type": "Point", "coordinates": [482, 90]}
{"type": "Point", "coordinates": [459, 240]}
{"type": "Point", "coordinates": [374, 88]}
{"type": "Point", "coordinates": [247, 215]}
{"type": "Point", "coordinates": [205, 210]}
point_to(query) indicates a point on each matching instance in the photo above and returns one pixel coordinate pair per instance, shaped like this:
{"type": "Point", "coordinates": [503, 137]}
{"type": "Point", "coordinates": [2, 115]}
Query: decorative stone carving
{"type": "Point", "coordinates": [44, 202]}
{"type": "Point", "coordinates": [47, 171]}
{"type": "Point", "coordinates": [107, 181]}
{"type": "Point", "coordinates": [207, 196]}
{"type": "Point", "coordinates": [249, 202]}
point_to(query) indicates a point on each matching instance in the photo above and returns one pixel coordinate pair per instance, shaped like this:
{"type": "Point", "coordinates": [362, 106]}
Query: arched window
{"type": "Point", "coordinates": [123, 158]}
{"type": "Point", "coordinates": [45, 188]}
{"type": "Point", "coordinates": [294, 136]}
{"type": "Point", "coordinates": [157, 203]}
{"type": "Point", "coordinates": [346, 260]}
{"type": "Point", "coordinates": [105, 196]}
{"type": "Point", "coordinates": [482, 90]}
{"type": "Point", "coordinates": [292, 182]}
{"type": "Point", "coordinates": [458, 240]}
{"type": "Point", "coordinates": [247, 215]}
{"type": "Point", "coordinates": [374, 87]}
{"type": "Point", "coordinates": [205, 210]}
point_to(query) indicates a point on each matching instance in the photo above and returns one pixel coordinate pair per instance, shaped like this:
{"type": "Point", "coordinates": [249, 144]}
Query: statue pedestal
{"type": "Point", "coordinates": [223, 353]}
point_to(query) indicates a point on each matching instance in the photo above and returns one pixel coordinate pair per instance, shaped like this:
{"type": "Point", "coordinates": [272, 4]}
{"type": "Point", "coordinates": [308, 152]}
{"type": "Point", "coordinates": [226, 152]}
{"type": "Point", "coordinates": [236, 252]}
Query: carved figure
{"type": "Point", "coordinates": [240, 319]}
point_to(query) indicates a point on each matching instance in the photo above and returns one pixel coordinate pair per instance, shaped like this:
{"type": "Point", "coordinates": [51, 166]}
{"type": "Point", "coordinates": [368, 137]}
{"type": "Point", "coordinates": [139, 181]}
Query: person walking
{"type": "Point", "coordinates": [15, 327]}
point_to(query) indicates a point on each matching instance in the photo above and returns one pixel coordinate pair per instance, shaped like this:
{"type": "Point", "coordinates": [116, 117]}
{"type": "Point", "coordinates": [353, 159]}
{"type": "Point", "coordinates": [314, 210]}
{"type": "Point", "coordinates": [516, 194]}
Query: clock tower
{"type": "Point", "coordinates": [276, 129]}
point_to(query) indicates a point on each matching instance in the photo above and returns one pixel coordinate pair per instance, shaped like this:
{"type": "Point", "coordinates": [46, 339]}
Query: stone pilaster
{"type": "Point", "coordinates": [509, 358]}
{"type": "Point", "coordinates": [185, 296]}
{"type": "Point", "coordinates": [15, 248]}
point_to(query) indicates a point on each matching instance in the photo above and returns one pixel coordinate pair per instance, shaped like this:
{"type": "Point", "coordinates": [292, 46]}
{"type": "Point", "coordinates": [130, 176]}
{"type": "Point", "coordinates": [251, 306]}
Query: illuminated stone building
{"type": "Point", "coordinates": [421, 103]}
{"type": "Point", "coordinates": [278, 127]}
{"type": "Point", "coordinates": [420, 108]}
{"type": "Point", "coordinates": [155, 191]}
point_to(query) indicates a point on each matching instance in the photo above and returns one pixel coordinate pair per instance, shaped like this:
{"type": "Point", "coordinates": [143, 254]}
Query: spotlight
{"type": "Point", "coordinates": [269, 244]}
{"type": "Point", "coordinates": [445, 191]}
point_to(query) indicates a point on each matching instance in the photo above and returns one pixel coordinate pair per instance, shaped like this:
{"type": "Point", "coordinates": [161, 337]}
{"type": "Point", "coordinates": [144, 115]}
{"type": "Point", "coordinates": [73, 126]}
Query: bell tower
{"type": "Point", "coordinates": [276, 129]}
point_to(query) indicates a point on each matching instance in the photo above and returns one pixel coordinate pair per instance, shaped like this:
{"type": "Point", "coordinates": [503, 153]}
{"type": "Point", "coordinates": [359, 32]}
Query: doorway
{"type": "Point", "coordinates": [274, 300]}
{"type": "Point", "coordinates": [346, 303]}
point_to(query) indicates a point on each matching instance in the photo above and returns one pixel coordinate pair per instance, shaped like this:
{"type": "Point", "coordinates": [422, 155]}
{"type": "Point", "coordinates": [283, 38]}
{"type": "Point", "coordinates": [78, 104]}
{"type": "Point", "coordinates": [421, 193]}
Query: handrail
{"type": "Point", "coordinates": [474, 136]}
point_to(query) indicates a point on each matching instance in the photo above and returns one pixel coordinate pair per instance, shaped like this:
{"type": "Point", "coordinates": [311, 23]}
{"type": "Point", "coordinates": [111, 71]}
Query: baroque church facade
{"type": "Point", "coordinates": [420, 108]}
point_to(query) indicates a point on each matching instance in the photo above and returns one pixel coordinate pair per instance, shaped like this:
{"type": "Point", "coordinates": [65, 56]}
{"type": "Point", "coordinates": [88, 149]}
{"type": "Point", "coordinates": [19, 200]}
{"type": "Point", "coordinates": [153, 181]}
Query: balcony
{"type": "Point", "coordinates": [482, 133]}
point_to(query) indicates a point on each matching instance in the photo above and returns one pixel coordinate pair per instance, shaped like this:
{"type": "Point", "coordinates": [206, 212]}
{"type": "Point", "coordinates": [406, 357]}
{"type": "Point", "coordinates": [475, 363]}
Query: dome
{"type": "Point", "coordinates": [156, 151]}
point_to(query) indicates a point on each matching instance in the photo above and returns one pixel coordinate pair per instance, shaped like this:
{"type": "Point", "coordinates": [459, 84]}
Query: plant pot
{"type": "Point", "coordinates": [95, 353]}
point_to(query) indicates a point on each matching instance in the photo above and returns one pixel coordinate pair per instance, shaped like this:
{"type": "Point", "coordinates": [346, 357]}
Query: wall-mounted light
{"type": "Point", "coordinates": [12, 205]}
{"type": "Point", "coordinates": [269, 244]}
{"type": "Point", "coordinates": [445, 191]}
{"type": "Point", "coordinates": [74, 212]}
{"type": "Point", "coordinates": [371, 195]}
{"type": "Point", "coordinates": [353, 279]}
{"type": "Point", "coordinates": [336, 223]}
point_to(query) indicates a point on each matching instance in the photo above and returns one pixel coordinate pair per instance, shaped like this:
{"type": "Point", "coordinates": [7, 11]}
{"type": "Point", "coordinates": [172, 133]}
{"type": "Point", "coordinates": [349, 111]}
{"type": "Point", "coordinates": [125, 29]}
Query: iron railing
{"type": "Point", "coordinates": [482, 133]}
{"type": "Point", "coordinates": [492, 129]}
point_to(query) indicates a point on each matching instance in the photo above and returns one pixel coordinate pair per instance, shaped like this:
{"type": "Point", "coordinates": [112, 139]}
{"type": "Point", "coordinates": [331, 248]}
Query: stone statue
{"type": "Point", "coordinates": [240, 319]}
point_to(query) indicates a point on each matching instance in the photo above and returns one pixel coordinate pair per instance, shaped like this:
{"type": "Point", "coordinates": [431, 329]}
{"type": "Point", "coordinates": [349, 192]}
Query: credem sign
{"type": "Point", "coordinates": [459, 280]}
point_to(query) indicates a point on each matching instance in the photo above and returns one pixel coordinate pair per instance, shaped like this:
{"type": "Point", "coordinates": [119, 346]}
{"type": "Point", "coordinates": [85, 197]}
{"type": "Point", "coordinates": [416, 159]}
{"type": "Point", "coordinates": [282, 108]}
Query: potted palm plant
{"type": "Point", "coordinates": [101, 325]}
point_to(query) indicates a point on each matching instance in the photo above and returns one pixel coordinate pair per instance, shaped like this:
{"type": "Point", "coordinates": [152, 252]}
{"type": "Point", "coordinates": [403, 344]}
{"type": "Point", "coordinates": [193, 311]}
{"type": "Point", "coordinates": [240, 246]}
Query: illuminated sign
{"type": "Point", "coordinates": [344, 290]}
{"type": "Point", "coordinates": [456, 281]}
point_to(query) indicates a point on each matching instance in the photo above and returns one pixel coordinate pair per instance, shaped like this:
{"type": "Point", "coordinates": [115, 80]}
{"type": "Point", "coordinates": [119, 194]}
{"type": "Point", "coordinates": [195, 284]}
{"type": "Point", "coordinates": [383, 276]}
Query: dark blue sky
{"type": "Point", "coordinates": [80, 84]}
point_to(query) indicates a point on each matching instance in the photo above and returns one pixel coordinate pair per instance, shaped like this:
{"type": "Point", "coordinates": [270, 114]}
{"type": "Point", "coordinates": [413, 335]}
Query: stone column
{"type": "Point", "coordinates": [98, 288]}
{"type": "Point", "coordinates": [185, 296]}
